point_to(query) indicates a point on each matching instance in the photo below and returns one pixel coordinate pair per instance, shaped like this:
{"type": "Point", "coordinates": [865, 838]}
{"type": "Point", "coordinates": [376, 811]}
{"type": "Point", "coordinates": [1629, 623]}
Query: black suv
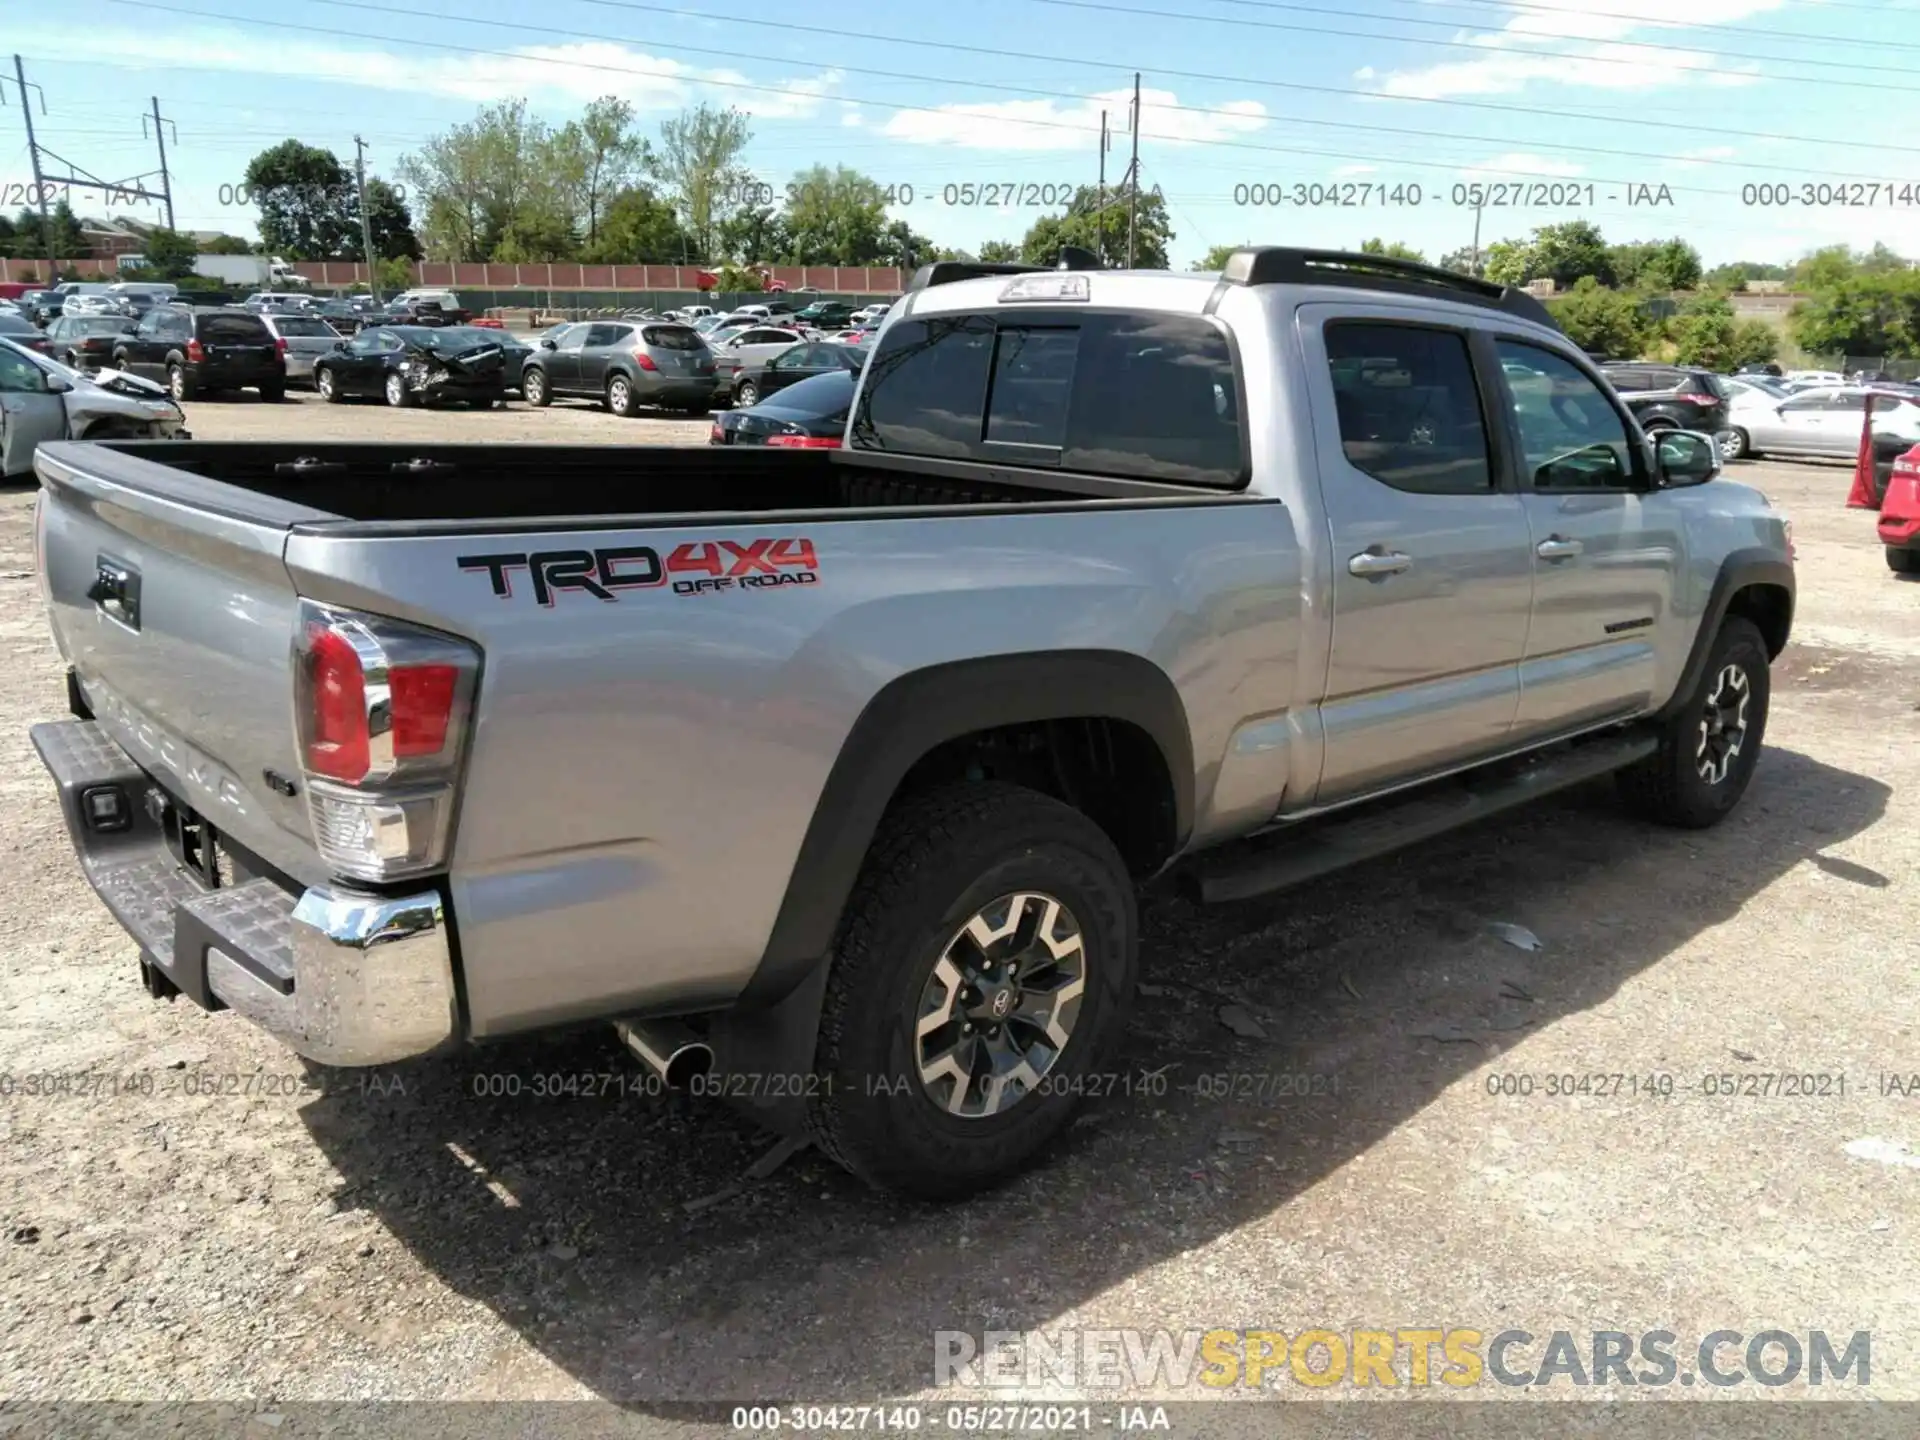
{"type": "Point", "coordinates": [197, 349]}
{"type": "Point", "coordinates": [1670, 397]}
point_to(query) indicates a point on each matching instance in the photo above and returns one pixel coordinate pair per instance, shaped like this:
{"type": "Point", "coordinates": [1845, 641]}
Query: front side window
{"type": "Point", "coordinates": [1409, 407]}
{"type": "Point", "coordinates": [1570, 437]}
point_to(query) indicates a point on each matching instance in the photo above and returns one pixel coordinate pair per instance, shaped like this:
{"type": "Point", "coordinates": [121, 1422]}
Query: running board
{"type": "Point", "coordinates": [1308, 849]}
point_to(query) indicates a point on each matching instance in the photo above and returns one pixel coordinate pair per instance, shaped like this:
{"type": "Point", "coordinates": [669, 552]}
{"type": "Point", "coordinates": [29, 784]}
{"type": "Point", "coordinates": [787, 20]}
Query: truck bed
{"type": "Point", "coordinates": [415, 484]}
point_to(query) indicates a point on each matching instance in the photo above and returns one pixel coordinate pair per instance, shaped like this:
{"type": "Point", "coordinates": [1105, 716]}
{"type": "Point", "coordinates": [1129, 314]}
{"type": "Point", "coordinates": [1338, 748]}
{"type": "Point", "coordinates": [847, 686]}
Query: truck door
{"type": "Point", "coordinates": [1430, 552]}
{"type": "Point", "coordinates": [29, 413]}
{"type": "Point", "coordinates": [1606, 546]}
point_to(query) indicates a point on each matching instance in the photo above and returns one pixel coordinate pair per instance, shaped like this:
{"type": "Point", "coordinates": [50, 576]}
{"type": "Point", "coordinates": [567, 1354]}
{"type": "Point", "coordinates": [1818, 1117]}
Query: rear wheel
{"type": "Point", "coordinates": [274, 394]}
{"type": "Point", "coordinates": [178, 385]}
{"type": "Point", "coordinates": [1733, 444]}
{"type": "Point", "coordinates": [1903, 561]}
{"type": "Point", "coordinates": [533, 385]}
{"type": "Point", "coordinates": [397, 393]}
{"type": "Point", "coordinates": [620, 397]}
{"type": "Point", "coordinates": [983, 970]}
{"type": "Point", "coordinates": [1709, 747]}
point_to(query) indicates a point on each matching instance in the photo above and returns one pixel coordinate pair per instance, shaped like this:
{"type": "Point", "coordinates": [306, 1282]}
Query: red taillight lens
{"type": "Point", "coordinates": [644, 360]}
{"type": "Point", "coordinates": [422, 698]}
{"type": "Point", "coordinates": [1705, 400]}
{"type": "Point", "coordinates": [280, 345]}
{"type": "Point", "coordinates": [804, 442]}
{"type": "Point", "coordinates": [337, 736]}
{"type": "Point", "coordinates": [716, 433]}
{"type": "Point", "coordinates": [194, 353]}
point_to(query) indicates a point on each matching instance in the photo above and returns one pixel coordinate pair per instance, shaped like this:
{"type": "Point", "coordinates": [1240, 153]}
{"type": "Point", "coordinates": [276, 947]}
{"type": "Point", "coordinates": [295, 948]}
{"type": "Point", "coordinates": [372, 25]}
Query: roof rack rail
{"type": "Point", "coordinates": [1285, 265]}
{"type": "Point", "coordinates": [946, 272]}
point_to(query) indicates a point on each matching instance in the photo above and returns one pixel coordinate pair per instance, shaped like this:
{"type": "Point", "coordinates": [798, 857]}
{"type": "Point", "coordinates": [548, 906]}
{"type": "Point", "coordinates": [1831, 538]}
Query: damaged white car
{"type": "Point", "coordinates": [41, 399]}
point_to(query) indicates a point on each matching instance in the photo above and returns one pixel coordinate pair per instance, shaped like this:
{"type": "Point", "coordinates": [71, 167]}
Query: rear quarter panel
{"type": "Point", "coordinates": [644, 769]}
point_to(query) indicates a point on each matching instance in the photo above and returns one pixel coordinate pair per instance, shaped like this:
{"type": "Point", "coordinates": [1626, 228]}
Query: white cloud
{"type": "Point", "coordinates": [1347, 171]}
{"type": "Point", "coordinates": [1519, 162]}
{"type": "Point", "coordinates": [851, 115]}
{"type": "Point", "coordinates": [1560, 43]}
{"type": "Point", "coordinates": [549, 76]}
{"type": "Point", "coordinates": [1072, 125]}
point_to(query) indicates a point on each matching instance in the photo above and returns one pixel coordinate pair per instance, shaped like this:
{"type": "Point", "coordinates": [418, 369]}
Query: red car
{"type": "Point", "coordinates": [1900, 515]}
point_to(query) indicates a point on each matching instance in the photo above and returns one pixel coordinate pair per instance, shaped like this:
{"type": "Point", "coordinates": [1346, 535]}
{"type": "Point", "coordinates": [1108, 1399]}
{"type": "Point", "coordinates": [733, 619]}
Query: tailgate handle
{"type": "Point", "coordinates": [116, 591]}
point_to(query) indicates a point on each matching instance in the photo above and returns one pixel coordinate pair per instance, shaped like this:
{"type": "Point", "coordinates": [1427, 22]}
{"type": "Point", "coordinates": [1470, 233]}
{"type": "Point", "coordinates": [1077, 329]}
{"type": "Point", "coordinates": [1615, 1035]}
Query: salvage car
{"type": "Point", "coordinates": [835, 773]}
{"type": "Point", "coordinates": [810, 415]}
{"type": "Point", "coordinates": [412, 365]}
{"type": "Point", "coordinates": [43, 400]}
{"type": "Point", "coordinates": [623, 364]}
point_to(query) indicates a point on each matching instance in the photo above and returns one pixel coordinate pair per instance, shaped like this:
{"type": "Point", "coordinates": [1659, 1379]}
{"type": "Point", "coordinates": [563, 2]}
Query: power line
{"type": "Point", "coordinates": [1642, 19]}
{"type": "Point", "coordinates": [1482, 49]}
{"type": "Point", "coordinates": [576, 63]}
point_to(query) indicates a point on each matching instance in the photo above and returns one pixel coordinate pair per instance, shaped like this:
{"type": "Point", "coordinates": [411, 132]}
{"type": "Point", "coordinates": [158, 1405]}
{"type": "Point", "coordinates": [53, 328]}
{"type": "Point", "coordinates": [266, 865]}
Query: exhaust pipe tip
{"type": "Point", "coordinates": [672, 1051]}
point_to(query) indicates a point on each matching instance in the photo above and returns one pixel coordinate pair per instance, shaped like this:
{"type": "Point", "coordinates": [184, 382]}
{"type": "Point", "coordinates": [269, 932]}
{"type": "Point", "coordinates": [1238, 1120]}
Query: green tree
{"type": "Point", "coordinates": [1881, 260]}
{"type": "Point", "coordinates": [29, 236]}
{"type": "Point", "coordinates": [903, 246]}
{"type": "Point", "coordinates": [226, 245]}
{"type": "Point", "coordinates": [1824, 268]}
{"type": "Point", "coordinates": [1103, 230]}
{"type": "Point", "coordinates": [753, 232]}
{"type": "Point", "coordinates": [637, 227]}
{"type": "Point", "coordinates": [1568, 252]}
{"type": "Point", "coordinates": [1736, 275]}
{"type": "Point", "coordinates": [602, 157]}
{"type": "Point", "coordinates": [698, 166]}
{"type": "Point", "coordinates": [395, 273]}
{"type": "Point", "coordinates": [1507, 262]}
{"type": "Point", "coordinates": [170, 254]}
{"type": "Point", "coordinates": [1393, 250]}
{"type": "Point", "coordinates": [500, 186]}
{"type": "Point", "coordinates": [1603, 321]}
{"type": "Point", "coordinates": [999, 252]}
{"type": "Point", "coordinates": [390, 221]}
{"type": "Point", "coordinates": [1861, 315]}
{"type": "Point", "coordinates": [1463, 261]}
{"type": "Point", "coordinates": [737, 278]}
{"type": "Point", "coordinates": [1215, 259]}
{"type": "Point", "coordinates": [306, 202]}
{"type": "Point", "coordinates": [835, 217]}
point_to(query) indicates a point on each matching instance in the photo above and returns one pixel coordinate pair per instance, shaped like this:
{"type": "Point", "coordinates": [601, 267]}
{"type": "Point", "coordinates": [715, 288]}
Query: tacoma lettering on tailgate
{"type": "Point", "coordinates": [699, 567]}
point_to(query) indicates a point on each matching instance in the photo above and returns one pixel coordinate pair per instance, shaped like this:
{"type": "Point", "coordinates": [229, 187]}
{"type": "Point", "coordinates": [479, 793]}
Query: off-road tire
{"type": "Point", "coordinates": [935, 862]}
{"type": "Point", "coordinates": [1667, 786]}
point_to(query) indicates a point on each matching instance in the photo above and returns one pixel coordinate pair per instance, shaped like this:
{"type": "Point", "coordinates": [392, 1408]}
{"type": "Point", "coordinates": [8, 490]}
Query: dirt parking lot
{"type": "Point", "coordinates": [223, 1227]}
{"type": "Point", "coordinates": [245, 416]}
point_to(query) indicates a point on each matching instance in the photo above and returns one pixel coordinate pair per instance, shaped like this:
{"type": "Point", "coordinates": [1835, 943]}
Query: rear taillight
{"type": "Point", "coordinates": [383, 710]}
{"type": "Point", "coordinates": [804, 442]}
{"type": "Point", "coordinates": [644, 360]}
{"type": "Point", "coordinates": [1706, 401]}
{"type": "Point", "coordinates": [280, 346]}
{"type": "Point", "coordinates": [716, 433]}
{"type": "Point", "coordinates": [194, 353]}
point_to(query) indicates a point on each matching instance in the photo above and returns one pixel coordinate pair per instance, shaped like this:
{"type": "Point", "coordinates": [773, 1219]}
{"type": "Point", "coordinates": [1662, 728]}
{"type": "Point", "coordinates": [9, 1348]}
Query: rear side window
{"type": "Point", "coordinates": [302, 325]}
{"type": "Point", "coordinates": [1409, 407]}
{"type": "Point", "coordinates": [234, 330]}
{"type": "Point", "coordinates": [1153, 397]}
{"type": "Point", "coordinates": [673, 337]}
{"type": "Point", "coordinates": [1714, 385]}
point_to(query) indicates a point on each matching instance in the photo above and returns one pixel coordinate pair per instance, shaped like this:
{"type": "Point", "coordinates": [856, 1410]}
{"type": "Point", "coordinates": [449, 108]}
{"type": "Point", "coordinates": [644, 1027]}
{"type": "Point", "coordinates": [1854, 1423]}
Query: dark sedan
{"type": "Point", "coordinates": [811, 415]}
{"type": "Point", "coordinates": [792, 365]}
{"type": "Point", "coordinates": [412, 365]}
{"type": "Point", "coordinates": [24, 332]}
{"type": "Point", "coordinates": [85, 342]}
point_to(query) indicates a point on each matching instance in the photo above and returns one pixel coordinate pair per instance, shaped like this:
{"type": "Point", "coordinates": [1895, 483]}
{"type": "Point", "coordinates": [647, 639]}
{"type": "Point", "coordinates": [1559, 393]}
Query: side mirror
{"type": "Point", "coordinates": [339, 344]}
{"type": "Point", "coordinates": [1685, 457]}
{"type": "Point", "coordinates": [58, 385]}
{"type": "Point", "coordinates": [548, 345]}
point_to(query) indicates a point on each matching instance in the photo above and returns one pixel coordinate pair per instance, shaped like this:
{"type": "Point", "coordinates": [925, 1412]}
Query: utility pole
{"type": "Point", "coordinates": [366, 220]}
{"type": "Point", "coordinates": [39, 187]}
{"type": "Point", "coordinates": [1099, 215]}
{"type": "Point", "coordinates": [1476, 237]}
{"type": "Point", "coordinates": [1133, 173]}
{"type": "Point", "coordinates": [166, 183]}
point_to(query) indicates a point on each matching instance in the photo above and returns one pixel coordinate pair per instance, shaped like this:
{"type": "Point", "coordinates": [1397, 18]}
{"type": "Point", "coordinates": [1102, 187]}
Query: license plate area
{"type": "Point", "coordinates": [192, 840]}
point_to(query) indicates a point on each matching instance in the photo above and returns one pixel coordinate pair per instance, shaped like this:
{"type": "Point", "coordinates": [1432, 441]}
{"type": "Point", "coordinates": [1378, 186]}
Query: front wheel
{"type": "Point", "coordinates": [398, 395]}
{"type": "Point", "coordinates": [1709, 747]}
{"type": "Point", "coordinates": [982, 975]}
{"type": "Point", "coordinates": [747, 396]}
{"type": "Point", "coordinates": [1903, 561]}
{"type": "Point", "coordinates": [328, 387]}
{"type": "Point", "coordinates": [533, 386]}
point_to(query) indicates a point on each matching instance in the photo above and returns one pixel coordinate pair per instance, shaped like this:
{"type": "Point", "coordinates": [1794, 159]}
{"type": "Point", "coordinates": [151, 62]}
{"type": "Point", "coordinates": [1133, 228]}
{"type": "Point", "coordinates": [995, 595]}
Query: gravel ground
{"type": "Point", "coordinates": [234, 1230]}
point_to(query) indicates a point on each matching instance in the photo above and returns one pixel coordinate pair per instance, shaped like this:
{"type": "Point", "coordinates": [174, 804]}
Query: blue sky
{"type": "Point", "coordinates": [1601, 102]}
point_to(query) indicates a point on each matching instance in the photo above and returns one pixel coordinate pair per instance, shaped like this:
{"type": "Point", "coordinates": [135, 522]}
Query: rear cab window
{"type": "Point", "coordinates": [1133, 395]}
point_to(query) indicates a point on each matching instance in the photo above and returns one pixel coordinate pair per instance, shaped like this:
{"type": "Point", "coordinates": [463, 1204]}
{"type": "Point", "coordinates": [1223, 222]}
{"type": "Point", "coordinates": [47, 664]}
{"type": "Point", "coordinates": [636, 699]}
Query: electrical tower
{"type": "Point", "coordinates": [78, 177]}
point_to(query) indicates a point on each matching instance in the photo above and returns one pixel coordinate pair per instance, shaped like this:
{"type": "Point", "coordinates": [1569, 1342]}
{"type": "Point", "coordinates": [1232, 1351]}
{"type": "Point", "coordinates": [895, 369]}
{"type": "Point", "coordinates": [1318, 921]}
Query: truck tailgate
{"type": "Point", "coordinates": [176, 611]}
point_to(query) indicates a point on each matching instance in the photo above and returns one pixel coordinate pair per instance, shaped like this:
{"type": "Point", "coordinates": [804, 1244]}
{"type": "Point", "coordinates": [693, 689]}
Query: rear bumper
{"type": "Point", "coordinates": [342, 977]}
{"type": "Point", "coordinates": [1900, 532]}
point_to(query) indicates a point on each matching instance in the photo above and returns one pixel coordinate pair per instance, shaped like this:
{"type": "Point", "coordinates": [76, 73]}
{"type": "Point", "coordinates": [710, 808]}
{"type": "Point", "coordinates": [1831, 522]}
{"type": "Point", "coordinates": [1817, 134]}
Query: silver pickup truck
{"type": "Point", "coordinates": [838, 769]}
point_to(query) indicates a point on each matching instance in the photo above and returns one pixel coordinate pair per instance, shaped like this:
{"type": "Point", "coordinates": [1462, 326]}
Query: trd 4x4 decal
{"type": "Point", "coordinates": [699, 567]}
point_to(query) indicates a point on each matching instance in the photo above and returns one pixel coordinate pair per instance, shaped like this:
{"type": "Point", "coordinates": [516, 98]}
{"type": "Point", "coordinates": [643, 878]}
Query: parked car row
{"type": "Point", "coordinates": [42, 399]}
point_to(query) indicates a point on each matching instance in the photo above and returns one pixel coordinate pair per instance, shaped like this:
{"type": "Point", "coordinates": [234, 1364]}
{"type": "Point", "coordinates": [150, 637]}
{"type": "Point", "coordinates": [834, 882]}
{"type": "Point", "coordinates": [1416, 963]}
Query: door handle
{"type": "Point", "coordinates": [1377, 565]}
{"type": "Point", "coordinates": [1557, 547]}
